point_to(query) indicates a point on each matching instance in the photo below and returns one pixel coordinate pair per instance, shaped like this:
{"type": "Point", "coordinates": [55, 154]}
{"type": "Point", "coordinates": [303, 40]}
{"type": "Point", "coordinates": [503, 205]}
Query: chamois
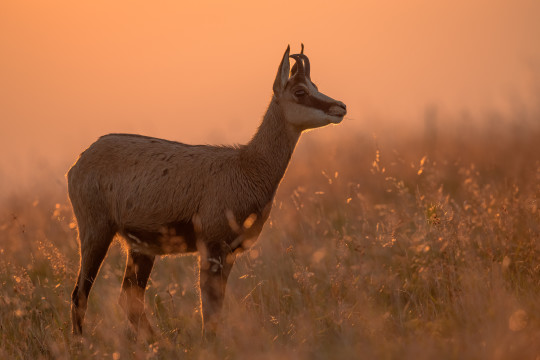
{"type": "Point", "coordinates": [165, 197]}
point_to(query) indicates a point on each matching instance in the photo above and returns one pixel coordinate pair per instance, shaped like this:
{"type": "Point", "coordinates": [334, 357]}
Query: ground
{"type": "Point", "coordinates": [419, 246]}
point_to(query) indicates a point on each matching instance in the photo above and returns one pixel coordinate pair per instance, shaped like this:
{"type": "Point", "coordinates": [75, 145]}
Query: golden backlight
{"type": "Point", "coordinates": [408, 231]}
{"type": "Point", "coordinates": [202, 71]}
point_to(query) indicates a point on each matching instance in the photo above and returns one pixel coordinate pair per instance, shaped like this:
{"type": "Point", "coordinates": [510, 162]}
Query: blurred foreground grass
{"type": "Point", "coordinates": [406, 247]}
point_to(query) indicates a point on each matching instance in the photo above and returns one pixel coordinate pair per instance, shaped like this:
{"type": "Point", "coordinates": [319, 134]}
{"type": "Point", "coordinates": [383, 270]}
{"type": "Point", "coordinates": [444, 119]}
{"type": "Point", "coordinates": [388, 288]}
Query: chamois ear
{"type": "Point", "coordinates": [283, 73]}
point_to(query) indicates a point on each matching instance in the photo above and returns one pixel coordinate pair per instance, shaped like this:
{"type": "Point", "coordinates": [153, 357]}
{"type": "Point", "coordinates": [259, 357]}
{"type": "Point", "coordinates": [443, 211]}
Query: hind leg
{"type": "Point", "coordinates": [138, 270]}
{"type": "Point", "coordinates": [95, 242]}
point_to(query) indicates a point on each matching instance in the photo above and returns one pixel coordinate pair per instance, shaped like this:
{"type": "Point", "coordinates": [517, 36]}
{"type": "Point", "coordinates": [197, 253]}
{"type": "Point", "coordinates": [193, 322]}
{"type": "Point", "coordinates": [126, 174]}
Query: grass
{"type": "Point", "coordinates": [412, 246]}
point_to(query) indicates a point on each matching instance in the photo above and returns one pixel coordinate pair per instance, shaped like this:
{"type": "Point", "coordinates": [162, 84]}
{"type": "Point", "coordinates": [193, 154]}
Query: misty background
{"type": "Point", "coordinates": [202, 72]}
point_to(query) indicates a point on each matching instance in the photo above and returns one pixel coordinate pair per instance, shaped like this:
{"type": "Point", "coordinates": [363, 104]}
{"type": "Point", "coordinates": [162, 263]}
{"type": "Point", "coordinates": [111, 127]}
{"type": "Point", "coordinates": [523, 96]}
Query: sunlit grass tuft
{"type": "Point", "coordinates": [374, 249]}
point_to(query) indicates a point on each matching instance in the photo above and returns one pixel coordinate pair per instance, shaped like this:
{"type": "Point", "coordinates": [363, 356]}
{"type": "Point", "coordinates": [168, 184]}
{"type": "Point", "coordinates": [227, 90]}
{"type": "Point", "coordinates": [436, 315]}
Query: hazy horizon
{"type": "Point", "coordinates": [203, 72]}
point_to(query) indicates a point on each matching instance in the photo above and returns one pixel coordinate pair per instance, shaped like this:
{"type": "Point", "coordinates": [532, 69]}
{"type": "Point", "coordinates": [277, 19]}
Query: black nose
{"type": "Point", "coordinates": [342, 105]}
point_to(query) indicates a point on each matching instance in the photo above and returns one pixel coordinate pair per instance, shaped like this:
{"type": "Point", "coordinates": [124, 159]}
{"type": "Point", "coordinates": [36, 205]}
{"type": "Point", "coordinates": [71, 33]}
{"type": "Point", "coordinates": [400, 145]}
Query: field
{"type": "Point", "coordinates": [396, 246]}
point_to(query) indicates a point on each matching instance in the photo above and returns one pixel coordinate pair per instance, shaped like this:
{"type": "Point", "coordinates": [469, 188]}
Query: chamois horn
{"type": "Point", "coordinates": [301, 66]}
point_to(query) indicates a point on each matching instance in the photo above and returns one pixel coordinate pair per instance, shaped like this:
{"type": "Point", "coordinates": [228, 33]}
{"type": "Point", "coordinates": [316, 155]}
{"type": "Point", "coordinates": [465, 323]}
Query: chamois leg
{"type": "Point", "coordinates": [138, 270]}
{"type": "Point", "coordinates": [214, 272]}
{"type": "Point", "coordinates": [95, 242]}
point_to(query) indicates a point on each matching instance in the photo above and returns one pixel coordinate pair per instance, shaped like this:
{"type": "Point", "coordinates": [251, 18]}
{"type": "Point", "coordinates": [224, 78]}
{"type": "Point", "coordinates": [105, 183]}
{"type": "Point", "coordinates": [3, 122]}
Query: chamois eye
{"type": "Point", "coordinates": [300, 92]}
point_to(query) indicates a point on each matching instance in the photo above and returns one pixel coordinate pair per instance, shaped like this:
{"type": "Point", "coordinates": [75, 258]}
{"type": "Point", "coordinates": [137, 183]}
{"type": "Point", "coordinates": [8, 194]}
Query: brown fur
{"type": "Point", "coordinates": [166, 197]}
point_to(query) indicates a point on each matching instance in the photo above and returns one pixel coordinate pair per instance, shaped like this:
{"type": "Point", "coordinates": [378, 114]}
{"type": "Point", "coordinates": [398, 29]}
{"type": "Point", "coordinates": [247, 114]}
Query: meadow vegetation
{"type": "Point", "coordinates": [395, 246]}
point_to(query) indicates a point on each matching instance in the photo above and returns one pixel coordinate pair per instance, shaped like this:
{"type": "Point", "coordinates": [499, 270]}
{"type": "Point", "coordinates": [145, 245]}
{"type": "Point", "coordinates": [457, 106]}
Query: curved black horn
{"type": "Point", "coordinates": [298, 67]}
{"type": "Point", "coordinates": [304, 64]}
{"type": "Point", "coordinates": [295, 67]}
{"type": "Point", "coordinates": [307, 67]}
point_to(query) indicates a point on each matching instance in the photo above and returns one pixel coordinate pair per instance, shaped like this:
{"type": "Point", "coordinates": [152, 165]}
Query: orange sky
{"type": "Point", "coordinates": [202, 72]}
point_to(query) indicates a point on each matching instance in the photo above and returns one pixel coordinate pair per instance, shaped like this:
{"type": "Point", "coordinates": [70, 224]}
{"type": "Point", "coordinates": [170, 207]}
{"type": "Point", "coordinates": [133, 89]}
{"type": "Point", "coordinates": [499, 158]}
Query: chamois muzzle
{"type": "Point", "coordinates": [337, 111]}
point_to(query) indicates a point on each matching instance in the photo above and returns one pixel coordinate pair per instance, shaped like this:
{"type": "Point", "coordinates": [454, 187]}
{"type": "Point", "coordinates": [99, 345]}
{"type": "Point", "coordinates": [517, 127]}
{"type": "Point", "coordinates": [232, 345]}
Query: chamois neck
{"type": "Point", "coordinates": [270, 150]}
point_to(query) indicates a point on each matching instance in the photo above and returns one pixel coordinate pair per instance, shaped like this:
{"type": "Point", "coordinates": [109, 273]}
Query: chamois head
{"type": "Point", "coordinates": [303, 105]}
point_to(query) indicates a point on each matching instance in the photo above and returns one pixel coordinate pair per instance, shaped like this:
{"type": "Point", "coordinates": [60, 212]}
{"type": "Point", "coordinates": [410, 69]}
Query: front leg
{"type": "Point", "coordinates": [214, 272]}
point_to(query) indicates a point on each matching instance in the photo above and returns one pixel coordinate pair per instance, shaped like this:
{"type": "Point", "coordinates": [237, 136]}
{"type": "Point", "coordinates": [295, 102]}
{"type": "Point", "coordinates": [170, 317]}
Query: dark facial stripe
{"type": "Point", "coordinates": [316, 103]}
